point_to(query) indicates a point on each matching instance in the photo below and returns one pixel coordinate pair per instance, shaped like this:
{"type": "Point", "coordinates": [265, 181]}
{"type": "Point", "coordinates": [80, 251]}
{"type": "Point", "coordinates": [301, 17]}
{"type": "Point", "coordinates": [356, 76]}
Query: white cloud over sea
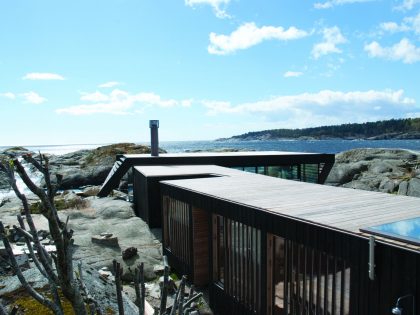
{"type": "Point", "coordinates": [9, 95]}
{"type": "Point", "coordinates": [332, 37]}
{"type": "Point", "coordinates": [109, 84]}
{"type": "Point", "coordinates": [120, 102]}
{"type": "Point", "coordinates": [33, 98]}
{"type": "Point", "coordinates": [321, 108]}
{"type": "Point", "coordinates": [248, 35]}
{"type": "Point", "coordinates": [292, 74]}
{"type": "Point", "coordinates": [404, 51]}
{"type": "Point", "coordinates": [217, 5]}
{"type": "Point", "coordinates": [332, 3]}
{"type": "Point", "coordinates": [42, 76]}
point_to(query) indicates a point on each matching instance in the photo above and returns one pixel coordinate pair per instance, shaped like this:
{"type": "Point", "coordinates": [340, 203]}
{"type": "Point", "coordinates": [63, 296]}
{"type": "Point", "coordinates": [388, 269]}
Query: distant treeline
{"type": "Point", "coordinates": [385, 129]}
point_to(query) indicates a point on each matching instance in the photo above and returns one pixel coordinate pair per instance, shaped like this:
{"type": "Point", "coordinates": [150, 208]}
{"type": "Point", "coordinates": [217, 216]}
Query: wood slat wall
{"type": "Point", "coordinates": [200, 222]}
{"type": "Point", "coordinates": [302, 280]}
{"type": "Point", "coordinates": [242, 262]}
{"type": "Point", "coordinates": [177, 238]}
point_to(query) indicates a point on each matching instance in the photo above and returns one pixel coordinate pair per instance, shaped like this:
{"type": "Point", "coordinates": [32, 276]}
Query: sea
{"type": "Point", "coordinates": [314, 146]}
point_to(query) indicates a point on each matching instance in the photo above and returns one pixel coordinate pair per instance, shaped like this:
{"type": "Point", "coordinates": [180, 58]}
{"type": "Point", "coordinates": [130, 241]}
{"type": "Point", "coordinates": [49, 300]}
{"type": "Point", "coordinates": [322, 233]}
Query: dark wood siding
{"type": "Point", "coordinates": [140, 196]}
{"type": "Point", "coordinates": [321, 251]}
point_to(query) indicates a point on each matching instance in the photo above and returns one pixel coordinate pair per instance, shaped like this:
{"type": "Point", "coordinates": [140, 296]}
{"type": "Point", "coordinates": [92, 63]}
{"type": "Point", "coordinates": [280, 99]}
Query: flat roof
{"type": "Point", "coordinates": [222, 154]}
{"type": "Point", "coordinates": [334, 207]}
{"type": "Point", "coordinates": [185, 170]}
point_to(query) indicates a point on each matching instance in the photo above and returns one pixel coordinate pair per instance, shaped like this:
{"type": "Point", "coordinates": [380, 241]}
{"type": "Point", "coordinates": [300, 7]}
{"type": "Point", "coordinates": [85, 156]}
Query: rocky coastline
{"type": "Point", "coordinates": [386, 170]}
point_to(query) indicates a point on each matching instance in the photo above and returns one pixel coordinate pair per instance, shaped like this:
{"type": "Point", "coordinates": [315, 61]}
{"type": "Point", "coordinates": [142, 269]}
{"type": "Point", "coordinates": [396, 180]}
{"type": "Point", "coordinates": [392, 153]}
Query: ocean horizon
{"type": "Point", "coordinates": [314, 146]}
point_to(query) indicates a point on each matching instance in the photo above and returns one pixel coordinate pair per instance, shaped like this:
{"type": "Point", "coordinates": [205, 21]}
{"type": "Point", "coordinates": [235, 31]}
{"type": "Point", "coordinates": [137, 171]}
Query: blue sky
{"type": "Point", "coordinates": [98, 71]}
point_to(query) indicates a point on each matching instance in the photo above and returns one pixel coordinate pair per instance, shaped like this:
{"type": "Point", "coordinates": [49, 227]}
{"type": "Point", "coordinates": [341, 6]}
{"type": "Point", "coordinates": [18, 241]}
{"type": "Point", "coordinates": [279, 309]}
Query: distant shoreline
{"type": "Point", "coordinates": [393, 129]}
{"type": "Point", "coordinates": [265, 137]}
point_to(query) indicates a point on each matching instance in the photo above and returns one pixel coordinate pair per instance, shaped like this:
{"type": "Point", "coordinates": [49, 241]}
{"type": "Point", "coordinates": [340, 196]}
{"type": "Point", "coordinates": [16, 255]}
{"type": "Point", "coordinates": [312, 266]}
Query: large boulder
{"type": "Point", "coordinates": [344, 173]}
{"type": "Point", "coordinates": [386, 170]}
{"type": "Point", "coordinates": [414, 187]}
{"type": "Point", "coordinates": [115, 217]}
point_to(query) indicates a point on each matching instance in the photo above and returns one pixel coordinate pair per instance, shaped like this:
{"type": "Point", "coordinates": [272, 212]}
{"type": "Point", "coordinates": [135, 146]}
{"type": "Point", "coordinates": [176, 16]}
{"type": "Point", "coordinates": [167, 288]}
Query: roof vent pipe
{"type": "Point", "coordinates": [154, 137]}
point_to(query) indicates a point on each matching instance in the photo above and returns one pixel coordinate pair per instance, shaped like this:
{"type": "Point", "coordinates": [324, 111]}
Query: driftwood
{"type": "Point", "coordinates": [140, 288]}
{"type": "Point", "coordinates": [58, 268]}
{"type": "Point", "coordinates": [63, 262]}
{"type": "Point", "coordinates": [118, 272]}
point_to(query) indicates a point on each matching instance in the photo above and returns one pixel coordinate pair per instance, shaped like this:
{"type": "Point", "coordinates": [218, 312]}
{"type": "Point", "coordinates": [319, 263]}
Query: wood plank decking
{"type": "Point", "coordinates": [343, 209]}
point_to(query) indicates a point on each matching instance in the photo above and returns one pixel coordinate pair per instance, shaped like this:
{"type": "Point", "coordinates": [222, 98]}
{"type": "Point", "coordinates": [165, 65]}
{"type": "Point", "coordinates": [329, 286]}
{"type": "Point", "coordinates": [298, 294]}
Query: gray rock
{"type": "Point", "coordinates": [388, 185]}
{"type": "Point", "coordinates": [379, 167]}
{"type": "Point", "coordinates": [110, 241]}
{"type": "Point", "coordinates": [382, 170]}
{"type": "Point", "coordinates": [90, 191]}
{"type": "Point", "coordinates": [345, 173]}
{"type": "Point", "coordinates": [356, 155]}
{"type": "Point", "coordinates": [4, 183]}
{"type": "Point", "coordinates": [414, 187]}
{"type": "Point", "coordinates": [403, 188]}
{"type": "Point", "coordinates": [116, 217]}
{"type": "Point", "coordinates": [102, 290]}
{"type": "Point", "coordinates": [129, 253]}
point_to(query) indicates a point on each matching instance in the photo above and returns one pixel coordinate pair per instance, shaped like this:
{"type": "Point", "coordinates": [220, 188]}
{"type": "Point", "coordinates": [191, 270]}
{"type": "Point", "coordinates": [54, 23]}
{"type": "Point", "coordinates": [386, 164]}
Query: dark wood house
{"type": "Point", "coordinates": [271, 246]}
{"type": "Point", "coordinates": [266, 245]}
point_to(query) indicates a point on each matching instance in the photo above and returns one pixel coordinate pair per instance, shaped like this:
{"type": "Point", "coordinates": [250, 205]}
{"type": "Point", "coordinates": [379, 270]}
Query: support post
{"type": "Point", "coordinates": [372, 258]}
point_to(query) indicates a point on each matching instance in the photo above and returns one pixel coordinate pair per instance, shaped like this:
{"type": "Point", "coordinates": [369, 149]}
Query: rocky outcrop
{"type": "Point", "coordinates": [95, 217]}
{"type": "Point", "coordinates": [80, 168]}
{"type": "Point", "coordinates": [91, 167]}
{"type": "Point", "coordinates": [387, 170]}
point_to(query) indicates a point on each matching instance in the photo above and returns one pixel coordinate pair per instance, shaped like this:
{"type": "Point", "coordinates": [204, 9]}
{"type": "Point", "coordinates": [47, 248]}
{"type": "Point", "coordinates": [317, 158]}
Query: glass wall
{"type": "Point", "coordinates": [299, 172]}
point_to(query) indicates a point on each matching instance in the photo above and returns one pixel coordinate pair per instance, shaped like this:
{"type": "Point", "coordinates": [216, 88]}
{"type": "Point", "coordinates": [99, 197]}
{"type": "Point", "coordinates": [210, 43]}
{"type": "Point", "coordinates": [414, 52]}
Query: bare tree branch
{"type": "Point", "coordinates": [61, 236]}
{"type": "Point", "coordinates": [37, 296]}
{"type": "Point", "coordinates": [118, 271]}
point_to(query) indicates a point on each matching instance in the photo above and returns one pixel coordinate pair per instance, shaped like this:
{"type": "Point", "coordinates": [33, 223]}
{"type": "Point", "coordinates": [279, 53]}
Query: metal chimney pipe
{"type": "Point", "coordinates": [154, 137]}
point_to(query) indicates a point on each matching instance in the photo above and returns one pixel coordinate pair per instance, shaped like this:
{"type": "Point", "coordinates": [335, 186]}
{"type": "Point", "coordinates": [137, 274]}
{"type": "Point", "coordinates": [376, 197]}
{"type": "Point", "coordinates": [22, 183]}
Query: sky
{"type": "Point", "coordinates": [75, 72]}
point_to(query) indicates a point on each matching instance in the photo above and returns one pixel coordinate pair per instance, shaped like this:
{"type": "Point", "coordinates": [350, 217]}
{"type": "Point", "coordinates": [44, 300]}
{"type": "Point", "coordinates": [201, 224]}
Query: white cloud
{"type": "Point", "coordinates": [215, 4]}
{"type": "Point", "coordinates": [331, 38]}
{"type": "Point", "coordinates": [42, 76]}
{"type": "Point", "coordinates": [248, 35]}
{"type": "Point", "coordinates": [333, 3]}
{"type": "Point", "coordinates": [119, 102]}
{"type": "Point", "coordinates": [33, 98]}
{"type": "Point", "coordinates": [404, 51]}
{"type": "Point", "coordinates": [109, 84]}
{"type": "Point", "coordinates": [292, 74]}
{"type": "Point", "coordinates": [392, 27]}
{"type": "Point", "coordinates": [407, 5]}
{"type": "Point", "coordinates": [94, 97]}
{"type": "Point", "coordinates": [323, 103]}
{"type": "Point", "coordinates": [8, 95]}
{"type": "Point", "coordinates": [409, 24]}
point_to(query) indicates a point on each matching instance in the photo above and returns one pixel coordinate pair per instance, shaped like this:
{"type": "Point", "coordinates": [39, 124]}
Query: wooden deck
{"type": "Point", "coordinates": [342, 209]}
